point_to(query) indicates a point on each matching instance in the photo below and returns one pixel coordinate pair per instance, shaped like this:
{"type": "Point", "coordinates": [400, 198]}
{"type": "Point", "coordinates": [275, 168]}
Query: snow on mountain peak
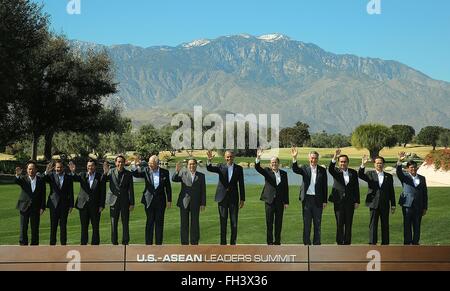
{"type": "Point", "coordinates": [196, 43]}
{"type": "Point", "coordinates": [272, 37]}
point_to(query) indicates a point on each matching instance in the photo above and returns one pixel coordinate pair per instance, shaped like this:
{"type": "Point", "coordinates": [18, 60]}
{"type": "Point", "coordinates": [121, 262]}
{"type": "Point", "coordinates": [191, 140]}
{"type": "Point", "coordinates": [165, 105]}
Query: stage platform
{"type": "Point", "coordinates": [225, 258]}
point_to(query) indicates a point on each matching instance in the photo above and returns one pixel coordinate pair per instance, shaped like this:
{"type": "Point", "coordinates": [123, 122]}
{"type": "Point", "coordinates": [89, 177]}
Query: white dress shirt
{"type": "Point", "coordinates": [155, 178]}
{"type": "Point", "coordinates": [230, 172]}
{"type": "Point", "coordinates": [380, 178]}
{"type": "Point", "coordinates": [33, 183]}
{"type": "Point", "coordinates": [192, 177]}
{"type": "Point", "coordinates": [91, 179]}
{"type": "Point", "coordinates": [312, 186]}
{"type": "Point", "coordinates": [346, 177]}
{"type": "Point", "coordinates": [277, 177]}
{"type": "Point", "coordinates": [416, 180]}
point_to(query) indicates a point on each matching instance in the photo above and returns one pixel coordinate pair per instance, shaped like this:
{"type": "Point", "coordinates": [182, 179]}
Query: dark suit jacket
{"type": "Point", "coordinates": [60, 196]}
{"type": "Point", "coordinates": [122, 189]}
{"type": "Point", "coordinates": [351, 190]}
{"type": "Point", "coordinates": [27, 198]}
{"type": "Point", "coordinates": [96, 195]}
{"type": "Point", "coordinates": [420, 192]}
{"type": "Point", "coordinates": [152, 195]}
{"type": "Point", "coordinates": [196, 190]}
{"type": "Point", "coordinates": [321, 188]}
{"type": "Point", "coordinates": [378, 197]}
{"type": "Point", "coordinates": [235, 188]}
{"type": "Point", "coordinates": [270, 186]}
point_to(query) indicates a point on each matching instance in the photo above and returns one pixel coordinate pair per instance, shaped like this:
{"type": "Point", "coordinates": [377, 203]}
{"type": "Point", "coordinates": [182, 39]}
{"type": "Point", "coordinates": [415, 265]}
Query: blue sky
{"type": "Point", "coordinates": [414, 32]}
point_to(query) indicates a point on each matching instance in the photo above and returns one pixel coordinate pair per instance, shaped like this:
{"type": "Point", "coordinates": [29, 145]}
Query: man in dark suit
{"type": "Point", "coordinates": [120, 198]}
{"type": "Point", "coordinates": [90, 201]}
{"type": "Point", "coordinates": [230, 194]}
{"type": "Point", "coordinates": [380, 199]}
{"type": "Point", "coordinates": [345, 196]}
{"type": "Point", "coordinates": [275, 194]}
{"type": "Point", "coordinates": [60, 200]}
{"type": "Point", "coordinates": [191, 201]}
{"type": "Point", "coordinates": [31, 203]}
{"type": "Point", "coordinates": [414, 200]}
{"type": "Point", "coordinates": [313, 194]}
{"type": "Point", "coordinates": [156, 197]}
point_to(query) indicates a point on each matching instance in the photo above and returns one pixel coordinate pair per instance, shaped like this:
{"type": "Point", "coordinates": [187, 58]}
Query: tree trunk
{"type": "Point", "coordinates": [34, 146]}
{"type": "Point", "coordinates": [405, 145]}
{"type": "Point", "coordinates": [48, 145]}
{"type": "Point", "coordinates": [374, 153]}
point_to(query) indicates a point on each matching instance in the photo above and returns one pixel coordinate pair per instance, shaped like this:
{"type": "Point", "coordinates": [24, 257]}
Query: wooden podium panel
{"type": "Point", "coordinates": [62, 258]}
{"type": "Point", "coordinates": [217, 258]}
{"type": "Point", "coordinates": [383, 258]}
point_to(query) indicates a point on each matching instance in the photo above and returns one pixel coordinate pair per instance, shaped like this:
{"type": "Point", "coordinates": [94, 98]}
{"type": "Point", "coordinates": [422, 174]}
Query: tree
{"type": "Point", "coordinates": [23, 30]}
{"type": "Point", "coordinates": [403, 133]}
{"type": "Point", "coordinates": [373, 137]}
{"type": "Point", "coordinates": [429, 135]}
{"type": "Point", "coordinates": [150, 142]}
{"type": "Point", "coordinates": [294, 136]}
{"type": "Point", "coordinates": [444, 138]}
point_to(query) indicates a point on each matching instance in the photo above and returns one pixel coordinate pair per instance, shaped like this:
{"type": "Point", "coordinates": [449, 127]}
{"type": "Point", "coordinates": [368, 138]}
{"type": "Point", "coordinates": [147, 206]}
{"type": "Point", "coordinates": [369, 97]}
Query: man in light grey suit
{"type": "Point", "coordinates": [120, 198]}
{"type": "Point", "coordinates": [414, 200]}
{"type": "Point", "coordinates": [191, 201]}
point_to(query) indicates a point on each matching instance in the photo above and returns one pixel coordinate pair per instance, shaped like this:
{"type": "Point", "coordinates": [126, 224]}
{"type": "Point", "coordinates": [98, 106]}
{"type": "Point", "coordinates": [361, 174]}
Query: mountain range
{"type": "Point", "coordinates": [273, 74]}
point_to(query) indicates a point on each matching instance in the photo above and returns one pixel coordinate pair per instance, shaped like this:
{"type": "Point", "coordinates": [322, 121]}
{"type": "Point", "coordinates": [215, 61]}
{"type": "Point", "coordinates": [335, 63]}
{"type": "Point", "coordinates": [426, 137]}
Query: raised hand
{"type": "Point", "coordinates": [49, 167]}
{"type": "Point", "coordinates": [210, 155]}
{"type": "Point", "coordinates": [337, 154]}
{"type": "Point", "coordinates": [178, 167]}
{"type": "Point", "coordinates": [72, 167]}
{"type": "Point", "coordinates": [18, 171]}
{"type": "Point", "coordinates": [294, 152]}
{"type": "Point", "coordinates": [106, 167]}
{"type": "Point", "coordinates": [365, 159]}
{"type": "Point", "coordinates": [401, 156]}
{"type": "Point", "coordinates": [259, 153]}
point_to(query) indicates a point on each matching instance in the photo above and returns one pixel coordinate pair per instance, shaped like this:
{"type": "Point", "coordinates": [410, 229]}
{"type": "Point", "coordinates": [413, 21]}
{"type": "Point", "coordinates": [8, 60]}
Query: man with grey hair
{"type": "Point", "coordinates": [230, 193]}
{"type": "Point", "coordinates": [275, 194]}
{"type": "Point", "coordinates": [157, 196]}
{"type": "Point", "coordinates": [313, 194]}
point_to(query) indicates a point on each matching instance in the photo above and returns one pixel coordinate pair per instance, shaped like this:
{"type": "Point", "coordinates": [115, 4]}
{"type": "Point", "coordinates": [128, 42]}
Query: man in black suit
{"type": "Point", "coordinates": [60, 201]}
{"type": "Point", "coordinates": [313, 194]}
{"type": "Point", "coordinates": [191, 201]}
{"type": "Point", "coordinates": [120, 198]}
{"type": "Point", "coordinates": [31, 203]}
{"type": "Point", "coordinates": [230, 194]}
{"type": "Point", "coordinates": [345, 196]}
{"type": "Point", "coordinates": [156, 197]}
{"type": "Point", "coordinates": [414, 200]}
{"type": "Point", "coordinates": [90, 201]}
{"type": "Point", "coordinates": [275, 194]}
{"type": "Point", "coordinates": [380, 199]}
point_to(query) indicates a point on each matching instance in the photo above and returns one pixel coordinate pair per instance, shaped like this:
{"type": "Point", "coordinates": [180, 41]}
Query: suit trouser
{"type": "Point", "coordinates": [227, 207]}
{"type": "Point", "coordinates": [31, 216]}
{"type": "Point", "coordinates": [58, 216]}
{"type": "Point", "coordinates": [375, 215]}
{"type": "Point", "coordinates": [412, 217]}
{"type": "Point", "coordinates": [344, 219]}
{"type": "Point", "coordinates": [120, 209]}
{"type": "Point", "coordinates": [194, 225]}
{"type": "Point", "coordinates": [274, 214]}
{"type": "Point", "coordinates": [154, 223]}
{"type": "Point", "coordinates": [90, 214]}
{"type": "Point", "coordinates": [311, 213]}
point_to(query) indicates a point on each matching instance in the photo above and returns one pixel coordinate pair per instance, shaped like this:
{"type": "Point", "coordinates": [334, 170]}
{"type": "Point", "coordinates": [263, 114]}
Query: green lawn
{"type": "Point", "coordinates": [435, 225]}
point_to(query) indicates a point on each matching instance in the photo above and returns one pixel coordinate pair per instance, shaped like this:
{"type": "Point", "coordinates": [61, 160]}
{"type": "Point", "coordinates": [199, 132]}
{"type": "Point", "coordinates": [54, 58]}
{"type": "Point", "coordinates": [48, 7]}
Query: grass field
{"type": "Point", "coordinates": [435, 225]}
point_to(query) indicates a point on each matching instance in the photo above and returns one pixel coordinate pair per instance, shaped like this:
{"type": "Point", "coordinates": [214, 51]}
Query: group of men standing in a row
{"type": "Point", "coordinates": [230, 195]}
